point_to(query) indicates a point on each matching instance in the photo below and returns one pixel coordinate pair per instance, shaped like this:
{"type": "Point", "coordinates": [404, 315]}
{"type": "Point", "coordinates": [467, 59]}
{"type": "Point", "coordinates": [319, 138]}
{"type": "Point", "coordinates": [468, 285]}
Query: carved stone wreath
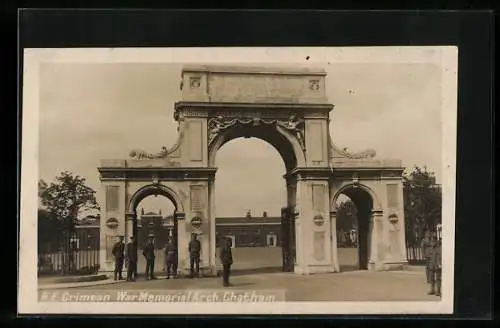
{"type": "Point", "coordinates": [219, 124]}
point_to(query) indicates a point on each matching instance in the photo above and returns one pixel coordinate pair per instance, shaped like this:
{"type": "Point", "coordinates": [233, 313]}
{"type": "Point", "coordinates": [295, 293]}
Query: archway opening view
{"type": "Point", "coordinates": [155, 220]}
{"type": "Point", "coordinates": [250, 192]}
{"type": "Point", "coordinates": [354, 211]}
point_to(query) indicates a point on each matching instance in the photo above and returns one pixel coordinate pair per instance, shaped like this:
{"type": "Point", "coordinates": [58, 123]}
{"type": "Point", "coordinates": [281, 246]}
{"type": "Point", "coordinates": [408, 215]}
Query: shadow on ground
{"type": "Point", "coordinates": [251, 271]}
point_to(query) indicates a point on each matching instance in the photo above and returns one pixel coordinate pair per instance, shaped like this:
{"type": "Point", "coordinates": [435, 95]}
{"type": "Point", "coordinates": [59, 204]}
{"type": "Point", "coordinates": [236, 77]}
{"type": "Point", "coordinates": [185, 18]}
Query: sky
{"type": "Point", "coordinates": [94, 111]}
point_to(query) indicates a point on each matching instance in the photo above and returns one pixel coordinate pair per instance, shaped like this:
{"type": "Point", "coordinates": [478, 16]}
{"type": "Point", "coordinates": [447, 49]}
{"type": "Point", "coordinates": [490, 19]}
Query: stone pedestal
{"type": "Point", "coordinates": [333, 245]}
{"type": "Point", "coordinates": [313, 230]}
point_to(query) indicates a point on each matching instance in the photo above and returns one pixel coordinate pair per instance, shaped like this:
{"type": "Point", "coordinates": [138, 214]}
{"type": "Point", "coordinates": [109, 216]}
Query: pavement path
{"type": "Point", "coordinates": [347, 286]}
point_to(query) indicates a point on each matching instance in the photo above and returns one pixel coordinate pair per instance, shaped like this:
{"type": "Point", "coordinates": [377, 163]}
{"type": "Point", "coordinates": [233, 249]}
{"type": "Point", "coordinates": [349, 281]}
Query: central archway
{"type": "Point", "coordinates": [291, 155]}
{"type": "Point", "coordinates": [287, 145]}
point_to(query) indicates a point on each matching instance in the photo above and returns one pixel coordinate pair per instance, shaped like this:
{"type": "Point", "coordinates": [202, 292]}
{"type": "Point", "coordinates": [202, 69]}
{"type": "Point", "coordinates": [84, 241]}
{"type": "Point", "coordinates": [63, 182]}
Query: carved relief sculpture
{"type": "Point", "coordinates": [296, 126]}
{"type": "Point", "coordinates": [218, 124]}
{"type": "Point", "coordinates": [368, 153]}
{"type": "Point", "coordinates": [139, 154]}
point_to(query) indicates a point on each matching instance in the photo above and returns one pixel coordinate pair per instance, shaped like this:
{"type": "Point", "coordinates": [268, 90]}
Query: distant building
{"type": "Point", "coordinates": [247, 231]}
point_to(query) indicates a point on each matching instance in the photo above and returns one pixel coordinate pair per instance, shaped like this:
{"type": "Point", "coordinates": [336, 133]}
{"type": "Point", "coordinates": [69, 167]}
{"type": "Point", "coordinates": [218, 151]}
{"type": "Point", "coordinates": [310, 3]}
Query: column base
{"type": "Point", "coordinates": [315, 268]}
{"type": "Point", "coordinates": [388, 266]}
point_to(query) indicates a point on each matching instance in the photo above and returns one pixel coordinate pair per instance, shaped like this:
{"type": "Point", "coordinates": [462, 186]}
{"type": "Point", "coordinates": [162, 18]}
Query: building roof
{"type": "Point", "coordinates": [218, 221]}
{"type": "Point", "coordinates": [246, 220]}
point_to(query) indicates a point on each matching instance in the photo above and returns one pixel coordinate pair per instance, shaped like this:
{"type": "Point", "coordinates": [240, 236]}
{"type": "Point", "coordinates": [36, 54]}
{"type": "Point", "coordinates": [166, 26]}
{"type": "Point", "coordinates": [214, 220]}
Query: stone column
{"type": "Point", "coordinates": [402, 232]}
{"type": "Point", "coordinates": [313, 227]}
{"type": "Point", "coordinates": [212, 223]}
{"type": "Point", "coordinates": [130, 217]}
{"type": "Point", "coordinates": [376, 241]}
{"type": "Point", "coordinates": [334, 249]}
{"type": "Point", "coordinates": [182, 244]}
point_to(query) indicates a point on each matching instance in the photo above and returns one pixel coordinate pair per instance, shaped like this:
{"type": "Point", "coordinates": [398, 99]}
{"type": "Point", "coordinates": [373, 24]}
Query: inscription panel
{"type": "Point", "coordinates": [318, 197]}
{"type": "Point", "coordinates": [112, 198]}
{"type": "Point", "coordinates": [392, 195]}
{"type": "Point", "coordinates": [196, 197]}
{"type": "Point", "coordinates": [315, 142]}
{"type": "Point", "coordinates": [319, 245]}
{"type": "Point", "coordinates": [196, 141]}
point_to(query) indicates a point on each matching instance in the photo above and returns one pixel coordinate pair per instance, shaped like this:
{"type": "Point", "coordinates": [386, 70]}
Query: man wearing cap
{"type": "Point", "coordinates": [118, 253]}
{"type": "Point", "coordinates": [426, 251]}
{"type": "Point", "coordinates": [194, 255]}
{"type": "Point", "coordinates": [227, 260]}
{"type": "Point", "coordinates": [170, 258]}
{"type": "Point", "coordinates": [435, 266]}
{"type": "Point", "coordinates": [149, 254]}
{"type": "Point", "coordinates": [131, 260]}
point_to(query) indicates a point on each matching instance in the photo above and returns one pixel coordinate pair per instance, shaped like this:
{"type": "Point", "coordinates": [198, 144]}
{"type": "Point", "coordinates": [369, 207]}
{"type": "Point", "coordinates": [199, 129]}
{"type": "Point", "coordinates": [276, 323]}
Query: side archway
{"type": "Point", "coordinates": [357, 191]}
{"type": "Point", "coordinates": [152, 189]}
{"type": "Point", "coordinates": [366, 203]}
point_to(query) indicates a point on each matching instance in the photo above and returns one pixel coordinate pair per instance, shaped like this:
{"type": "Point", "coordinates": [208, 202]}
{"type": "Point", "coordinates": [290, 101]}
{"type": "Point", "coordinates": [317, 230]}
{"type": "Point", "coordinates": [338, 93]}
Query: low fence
{"type": "Point", "coordinates": [415, 255]}
{"type": "Point", "coordinates": [71, 254]}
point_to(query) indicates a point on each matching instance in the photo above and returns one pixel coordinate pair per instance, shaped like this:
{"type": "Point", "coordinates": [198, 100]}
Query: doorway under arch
{"type": "Point", "coordinates": [264, 171]}
{"type": "Point", "coordinates": [155, 211]}
{"type": "Point", "coordinates": [355, 204]}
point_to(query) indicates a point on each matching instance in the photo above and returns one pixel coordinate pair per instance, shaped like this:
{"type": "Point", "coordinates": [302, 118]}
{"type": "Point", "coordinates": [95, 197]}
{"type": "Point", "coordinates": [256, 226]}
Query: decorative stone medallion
{"type": "Point", "coordinates": [196, 222]}
{"type": "Point", "coordinates": [112, 223]}
{"type": "Point", "coordinates": [319, 220]}
{"type": "Point", "coordinates": [393, 218]}
{"type": "Point", "coordinates": [195, 82]}
{"type": "Point", "coordinates": [314, 85]}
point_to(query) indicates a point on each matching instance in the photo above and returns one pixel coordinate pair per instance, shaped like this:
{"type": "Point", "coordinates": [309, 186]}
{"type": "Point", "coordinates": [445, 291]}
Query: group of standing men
{"type": "Point", "coordinates": [171, 260]}
{"type": "Point", "coordinates": [148, 252]}
{"type": "Point", "coordinates": [431, 248]}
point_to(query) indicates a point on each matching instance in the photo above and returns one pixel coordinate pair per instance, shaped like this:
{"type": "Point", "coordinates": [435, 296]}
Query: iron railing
{"type": "Point", "coordinates": [74, 253]}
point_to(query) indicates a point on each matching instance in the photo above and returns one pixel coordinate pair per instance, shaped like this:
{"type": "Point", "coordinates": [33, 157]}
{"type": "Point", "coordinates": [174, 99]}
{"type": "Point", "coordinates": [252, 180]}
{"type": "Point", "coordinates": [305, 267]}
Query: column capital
{"type": "Point", "coordinates": [130, 216]}
{"type": "Point", "coordinates": [333, 214]}
{"type": "Point", "coordinates": [377, 216]}
{"type": "Point", "coordinates": [180, 216]}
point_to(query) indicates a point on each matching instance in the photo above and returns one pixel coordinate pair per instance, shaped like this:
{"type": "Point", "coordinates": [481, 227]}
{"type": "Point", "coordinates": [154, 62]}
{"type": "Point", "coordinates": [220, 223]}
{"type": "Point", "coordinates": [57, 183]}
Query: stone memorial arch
{"type": "Point", "coordinates": [288, 109]}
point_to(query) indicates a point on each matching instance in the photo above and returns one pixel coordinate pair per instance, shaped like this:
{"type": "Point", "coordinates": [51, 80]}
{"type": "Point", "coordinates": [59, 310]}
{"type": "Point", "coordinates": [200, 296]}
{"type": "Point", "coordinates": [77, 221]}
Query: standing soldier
{"type": "Point", "coordinates": [149, 254]}
{"type": "Point", "coordinates": [132, 260]}
{"type": "Point", "coordinates": [170, 258]}
{"type": "Point", "coordinates": [118, 253]}
{"type": "Point", "coordinates": [435, 267]}
{"type": "Point", "coordinates": [227, 260]}
{"type": "Point", "coordinates": [426, 251]}
{"type": "Point", "coordinates": [194, 255]}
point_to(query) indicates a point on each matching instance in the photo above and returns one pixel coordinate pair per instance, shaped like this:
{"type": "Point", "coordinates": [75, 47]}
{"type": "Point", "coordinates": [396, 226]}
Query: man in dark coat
{"type": "Point", "coordinates": [435, 267]}
{"type": "Point", "coordinates": [194, 255]}
{"type": "Point", "coordinates": [426, 252]}
{"type": "Point", "coordinates": [226, 257]}
{"type": "Point", "coordinates": [170, 258]}
{"type": "Point", "coordinates": [131, 260]}
{"type": "Point", "coordinates": [118, 253]}
{"type": "Point", "coordinates": [149, 255]}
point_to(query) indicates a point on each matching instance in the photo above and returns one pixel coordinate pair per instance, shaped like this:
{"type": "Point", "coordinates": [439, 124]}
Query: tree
{"type": "Point", "coordinates": [66, 198]}
{"type": "Point", "coordinates": [346, 218]}
{"type": "Point", "coordinates": [422, 204]}
{"type": "Point", "coordinates": [48, 230]}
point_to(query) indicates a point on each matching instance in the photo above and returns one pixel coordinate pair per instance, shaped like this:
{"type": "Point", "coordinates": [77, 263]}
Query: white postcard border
{"type": "Point", "coordinates": [446, 57]}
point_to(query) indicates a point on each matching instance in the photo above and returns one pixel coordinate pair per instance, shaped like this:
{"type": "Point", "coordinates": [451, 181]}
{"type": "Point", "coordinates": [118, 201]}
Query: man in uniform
{"type": "Point", "coordinates": [118, 253]}
{"type": "Point", "coordinates": [131, 260]}
{"type": "Point", "coordinates": [435, 267]}
{"type": "Point", "coordinates": [194, 255]}
{"type": "Point", "coordinates": [170, 258]}
{"type": "Point", "coordinates": [227, 260]}
{"type": "Point", "coordinates": [426, 251]}
{"type": "Point", "coordinates": [149, 254]}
